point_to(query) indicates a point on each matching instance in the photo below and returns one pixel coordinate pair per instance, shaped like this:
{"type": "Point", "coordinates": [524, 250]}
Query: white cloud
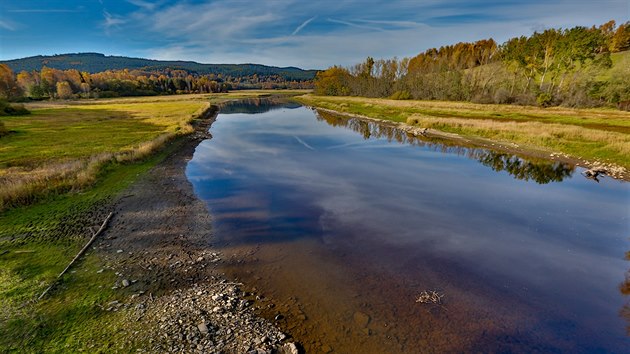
{"type": "Point", "coordinates": [112, 20]}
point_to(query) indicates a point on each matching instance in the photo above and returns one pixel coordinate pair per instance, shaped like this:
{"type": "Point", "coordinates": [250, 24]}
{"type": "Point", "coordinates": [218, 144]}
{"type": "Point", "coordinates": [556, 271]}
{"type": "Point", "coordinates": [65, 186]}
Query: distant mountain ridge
{"type": "Point", "coordinates": [97, 62]}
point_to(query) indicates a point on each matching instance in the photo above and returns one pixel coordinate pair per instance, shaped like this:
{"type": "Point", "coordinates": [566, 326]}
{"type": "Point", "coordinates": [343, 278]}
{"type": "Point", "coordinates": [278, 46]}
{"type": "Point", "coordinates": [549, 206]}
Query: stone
{"type": "Point", "coordinates": [125, 283]}
{"type": "Point", "coordinates": [290, 348]}
{"type": "Point", "coordinates": [203, 328]}
{"type": "Point", "coordinates": [361, 319]}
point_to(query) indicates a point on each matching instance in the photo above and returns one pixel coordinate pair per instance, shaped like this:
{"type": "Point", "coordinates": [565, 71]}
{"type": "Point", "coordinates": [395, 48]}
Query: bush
{"type": "Point", "coordinates": [3, 129]}
{"type": "Point", "coordinates": [544, 99]}
{"type": "Point", "coordinates": [8, 109]}
{"type": "Point", "coordinates": [106, 94]}
{"type": "Point", "coordinates": [502, 95]}
{"type": "Point", "coordinates": [401, 95]}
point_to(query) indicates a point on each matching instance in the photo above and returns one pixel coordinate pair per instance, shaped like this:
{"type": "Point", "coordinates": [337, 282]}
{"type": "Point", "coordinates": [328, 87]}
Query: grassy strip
{"type": "Point", "coordinates": [37, 242]}
{"type": "Point", "coordinates": [592, 134]}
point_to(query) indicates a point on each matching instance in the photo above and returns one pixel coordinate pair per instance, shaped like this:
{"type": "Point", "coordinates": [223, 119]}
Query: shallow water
{"type": "Point", "coordinates": [340, 224]}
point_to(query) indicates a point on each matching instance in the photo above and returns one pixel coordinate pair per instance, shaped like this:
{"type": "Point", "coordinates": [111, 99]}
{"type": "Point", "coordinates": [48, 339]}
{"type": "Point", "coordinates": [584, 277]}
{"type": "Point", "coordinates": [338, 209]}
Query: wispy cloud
{"type": "Point", "coordinates": [45, 11]}
{"type": "Point", "coordinates": [112, 20]}
{"type": "Point", "coordinates": [149, 6]}
{"type": "Point", "coordinates": [355, 25]}
{"type": "Point", "coordinates": [304, 24]}
{"type": "Point", "coordinates": [8, 25]}
{"type": "Point", "coordinates": [400, 24]}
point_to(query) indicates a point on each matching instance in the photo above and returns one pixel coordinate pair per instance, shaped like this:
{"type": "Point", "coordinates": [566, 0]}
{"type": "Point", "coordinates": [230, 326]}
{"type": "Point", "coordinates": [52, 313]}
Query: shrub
{"type": "Point", "coordinates": [544, 99]}
{"type": "Point", "coordinates": [8, 109]}
{"type": "Point", "coordinates": [401, 95]}
{"type": "Point", "coordinates": [502, 95]}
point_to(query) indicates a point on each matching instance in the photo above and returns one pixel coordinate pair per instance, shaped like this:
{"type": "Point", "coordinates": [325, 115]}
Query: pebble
{"type": "Point", "coordinates": [125, 283]}
{"type": "Point", "coordinates": [188, 321]}
{"type": "Point", "coordinates": [203, 328]}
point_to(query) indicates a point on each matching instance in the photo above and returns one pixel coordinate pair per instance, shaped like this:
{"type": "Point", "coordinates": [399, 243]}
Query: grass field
{"type": "Point", "coordinates": [591, 134]}
{"type": "Point", "coordinates": [112, 141]}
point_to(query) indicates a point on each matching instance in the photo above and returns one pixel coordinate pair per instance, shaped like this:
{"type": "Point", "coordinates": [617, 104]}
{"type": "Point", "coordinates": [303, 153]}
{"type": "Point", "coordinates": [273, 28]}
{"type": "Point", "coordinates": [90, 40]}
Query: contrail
{"type": "Point", "coordinates": [303, 143]}
{"type": "Point", "coordinates": [304, 24]}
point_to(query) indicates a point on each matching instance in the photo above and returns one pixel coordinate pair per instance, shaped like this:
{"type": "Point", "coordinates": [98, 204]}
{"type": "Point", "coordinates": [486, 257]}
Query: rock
{"type": "Point", "coordinates": [119, 251]}
{"type": "Point", "coordinates": [361, 319]}
{"type": "Point", "coordinates": [125, 283]}
{"type": "Point", "coordinates": [290, 348]}
{"type": "Point", "coordinates": [203, 328]}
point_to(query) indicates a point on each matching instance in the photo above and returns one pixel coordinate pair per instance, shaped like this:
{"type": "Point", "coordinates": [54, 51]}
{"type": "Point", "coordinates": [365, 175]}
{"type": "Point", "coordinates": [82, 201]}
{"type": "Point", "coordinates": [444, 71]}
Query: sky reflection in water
{"type": "Point", "coordinates": [537, 229]}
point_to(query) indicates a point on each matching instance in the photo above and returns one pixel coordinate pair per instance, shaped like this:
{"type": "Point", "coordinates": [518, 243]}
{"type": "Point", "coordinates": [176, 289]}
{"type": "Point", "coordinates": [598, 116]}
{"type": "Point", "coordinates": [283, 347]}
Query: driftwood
{"type": "Point", "coordinates": [81, 252]}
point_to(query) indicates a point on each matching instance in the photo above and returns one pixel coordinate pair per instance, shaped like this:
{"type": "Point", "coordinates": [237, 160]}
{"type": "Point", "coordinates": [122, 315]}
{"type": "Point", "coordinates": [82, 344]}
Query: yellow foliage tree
{"type": "Point", "coordinates": [64, 91]}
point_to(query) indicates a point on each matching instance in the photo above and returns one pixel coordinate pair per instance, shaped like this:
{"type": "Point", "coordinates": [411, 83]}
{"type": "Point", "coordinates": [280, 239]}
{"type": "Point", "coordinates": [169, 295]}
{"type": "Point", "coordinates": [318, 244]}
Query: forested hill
{"type": "Point", "coordinates": [96, 62]}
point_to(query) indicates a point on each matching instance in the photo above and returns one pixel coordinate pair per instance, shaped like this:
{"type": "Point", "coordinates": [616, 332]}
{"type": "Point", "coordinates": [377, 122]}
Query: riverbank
{"type": "Point", "coordinates": [592, 138]}
{"type": "Point", "coordinates": [149, 282]}
{"type": "Point", "coordinates": [159, 241]}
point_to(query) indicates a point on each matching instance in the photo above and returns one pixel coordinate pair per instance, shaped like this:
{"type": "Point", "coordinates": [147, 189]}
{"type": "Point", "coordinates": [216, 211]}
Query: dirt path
{"type": "Point", "coordinates": [159, 243]}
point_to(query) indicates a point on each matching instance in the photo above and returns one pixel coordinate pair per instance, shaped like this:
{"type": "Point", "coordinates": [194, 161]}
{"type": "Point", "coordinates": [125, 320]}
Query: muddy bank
{"type": "Point", "coordinates": [612, 170]}
{"type": "Point", "coordinates": [159, 244]}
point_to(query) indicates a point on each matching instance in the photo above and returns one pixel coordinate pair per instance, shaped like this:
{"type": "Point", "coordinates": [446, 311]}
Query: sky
{"type": "Point", "coordinates": [307, 34]}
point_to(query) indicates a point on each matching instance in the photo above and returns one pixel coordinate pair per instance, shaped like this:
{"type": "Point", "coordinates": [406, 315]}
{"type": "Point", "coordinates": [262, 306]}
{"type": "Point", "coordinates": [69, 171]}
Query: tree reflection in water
{"type": "Point", "coordinates": [256, 105]}
{"type": "Point", "coordinates": [538, 170]}
{"type": "Point", "coordinates": [624, 287]}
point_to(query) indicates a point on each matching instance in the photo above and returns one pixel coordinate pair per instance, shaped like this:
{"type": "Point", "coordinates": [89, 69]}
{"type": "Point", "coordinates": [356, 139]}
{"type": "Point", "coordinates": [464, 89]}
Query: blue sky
{"type": "Point", "coordinates": [308, 34]}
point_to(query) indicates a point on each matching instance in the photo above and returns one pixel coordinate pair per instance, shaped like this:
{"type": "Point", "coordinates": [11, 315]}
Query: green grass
{"type": "Point", "coordinates": [75, 132]}
{"type": "Point", "coordinates": [593, 134]}
{"type": "Point", "coordinates": [39, 241]}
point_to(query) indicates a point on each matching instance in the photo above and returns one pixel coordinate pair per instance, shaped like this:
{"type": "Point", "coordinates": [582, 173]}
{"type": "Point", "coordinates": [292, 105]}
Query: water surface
{"type": "Point", "coordinates": [342, 223]}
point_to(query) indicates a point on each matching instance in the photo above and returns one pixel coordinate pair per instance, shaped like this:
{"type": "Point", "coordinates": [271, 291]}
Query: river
{"type": "Point", "coordinates": [338, 225]}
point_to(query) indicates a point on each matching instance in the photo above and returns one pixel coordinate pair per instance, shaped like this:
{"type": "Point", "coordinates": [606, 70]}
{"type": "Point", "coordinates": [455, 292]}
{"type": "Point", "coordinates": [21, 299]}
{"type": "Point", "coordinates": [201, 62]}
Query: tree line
{"type": "Point", "coordinates": [64, 84]}
{"type": "Point", "coordinates": [571, 67]}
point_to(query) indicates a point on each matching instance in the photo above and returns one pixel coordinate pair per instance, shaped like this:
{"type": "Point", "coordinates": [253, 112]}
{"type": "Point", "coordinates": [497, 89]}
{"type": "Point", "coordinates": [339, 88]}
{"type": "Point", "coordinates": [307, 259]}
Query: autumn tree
{"type": "Point", "coordinates": [332, 82]}
{"type": "Point", "coordinates": [64, 91]}
{"type": "Point", "coordinates": [9, 88]}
